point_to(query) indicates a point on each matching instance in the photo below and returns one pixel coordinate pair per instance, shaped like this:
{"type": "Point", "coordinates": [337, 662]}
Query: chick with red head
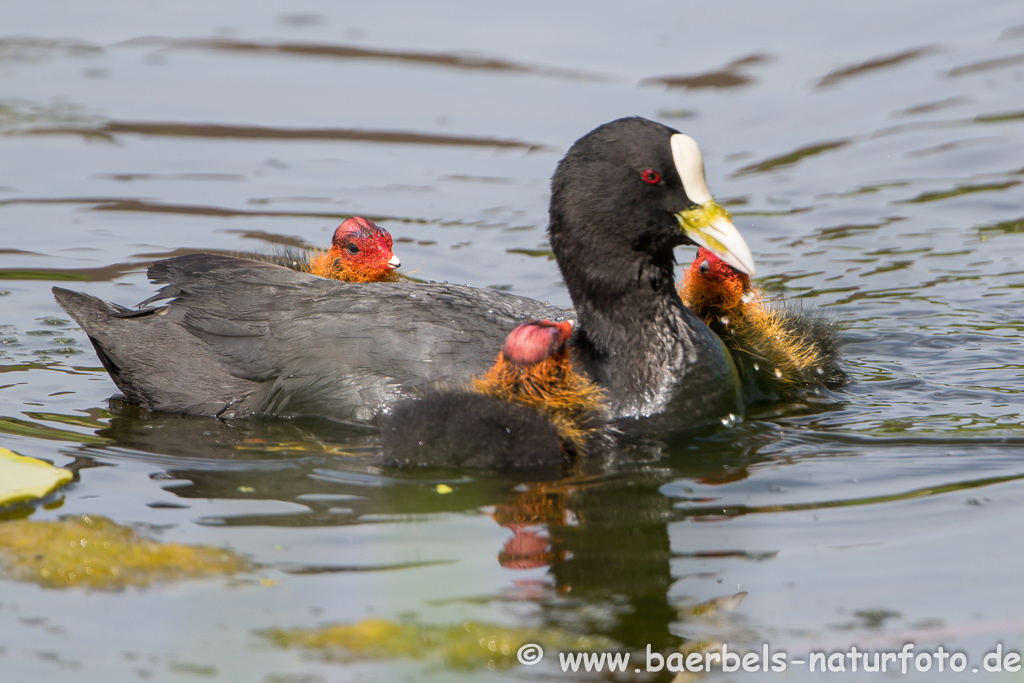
{"type": "Point", "coordinates": [532, 409]}
{"type": "Point", "coordinates": [778, 349]}
{"type": "Point", "coordinates": [361, 251]}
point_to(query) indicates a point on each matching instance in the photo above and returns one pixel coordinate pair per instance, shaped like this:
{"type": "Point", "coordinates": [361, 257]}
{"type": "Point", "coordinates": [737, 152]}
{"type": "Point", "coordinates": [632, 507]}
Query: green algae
{"type": "Point", "coordinates": [468, 645]}
{"type": "Point", "coordinates": [93, 552]}
{"type": "Point", "coordinates": [958, 191]}
{"type": "Point", "coordinates": [793, 157]}
{"type": "Point", "coordinates": [1009, 227]}
{"type": "Point", "coordinates": [999, 118]}
{"type": "Point", "coordinates": [19, 427]}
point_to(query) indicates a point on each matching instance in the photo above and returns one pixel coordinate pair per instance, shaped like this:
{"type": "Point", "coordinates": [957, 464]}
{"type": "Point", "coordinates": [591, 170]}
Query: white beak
{"type": "Point", "coordinates": [709, 225]}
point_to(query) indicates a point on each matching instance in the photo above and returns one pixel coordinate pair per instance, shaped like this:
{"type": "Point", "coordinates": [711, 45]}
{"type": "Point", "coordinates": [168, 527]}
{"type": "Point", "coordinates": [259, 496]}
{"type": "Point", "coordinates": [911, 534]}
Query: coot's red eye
{"type": "Point", "coordinates": [651, 177]}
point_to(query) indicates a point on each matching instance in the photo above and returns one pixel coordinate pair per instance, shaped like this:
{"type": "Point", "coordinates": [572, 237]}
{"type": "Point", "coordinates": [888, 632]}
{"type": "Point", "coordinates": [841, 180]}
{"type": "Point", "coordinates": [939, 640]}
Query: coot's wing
{"type": "Point", "coordinates": [319, 346]}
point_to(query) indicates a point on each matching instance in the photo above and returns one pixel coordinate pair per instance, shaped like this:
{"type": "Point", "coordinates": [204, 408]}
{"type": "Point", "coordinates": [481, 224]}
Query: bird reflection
{"type": "Point", "coordinates": [593, 547]}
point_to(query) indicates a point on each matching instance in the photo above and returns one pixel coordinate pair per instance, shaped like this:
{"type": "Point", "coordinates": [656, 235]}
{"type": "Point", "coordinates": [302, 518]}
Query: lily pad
{"type": "Point", "coordinates": [24, 478]}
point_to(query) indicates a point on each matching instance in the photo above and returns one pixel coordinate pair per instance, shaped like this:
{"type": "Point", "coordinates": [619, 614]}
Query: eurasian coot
{"type": "Point", "coordinates": [779, 349]}
{"type": "Point", "coordinates": [530, 410]}
{"type": "Point", "coordinates": [239, 337]}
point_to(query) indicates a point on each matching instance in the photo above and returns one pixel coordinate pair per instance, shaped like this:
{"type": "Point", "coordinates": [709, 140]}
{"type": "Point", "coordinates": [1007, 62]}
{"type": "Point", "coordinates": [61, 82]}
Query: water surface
{"type": "Point", "coordinates": [871, 155]}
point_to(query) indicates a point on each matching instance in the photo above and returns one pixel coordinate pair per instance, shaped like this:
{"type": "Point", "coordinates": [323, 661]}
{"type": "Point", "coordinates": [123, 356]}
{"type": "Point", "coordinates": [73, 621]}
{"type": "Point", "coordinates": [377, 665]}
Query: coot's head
{"type": "Point", "coordinates": [362, 243]}
{"type": "Point", "coordinates": [630, 191]}
{"type": "Point", "coordinates": [535, 340]}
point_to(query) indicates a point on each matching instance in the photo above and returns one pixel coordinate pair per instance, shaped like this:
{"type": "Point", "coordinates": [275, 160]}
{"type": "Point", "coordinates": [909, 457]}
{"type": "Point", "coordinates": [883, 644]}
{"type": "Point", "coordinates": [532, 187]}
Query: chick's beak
{"type": "Point", "coordinates": [708, 225]}
{"type": "Point", "coordinates": [394, 262]}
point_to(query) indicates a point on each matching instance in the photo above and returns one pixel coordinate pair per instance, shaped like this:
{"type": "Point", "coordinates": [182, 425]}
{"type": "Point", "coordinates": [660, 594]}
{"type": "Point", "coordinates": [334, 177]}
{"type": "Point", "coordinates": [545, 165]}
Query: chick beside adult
{"type": "Point", "coordinates": [779, 350]}
{"type": "Point", "coordinates": [530, 410]}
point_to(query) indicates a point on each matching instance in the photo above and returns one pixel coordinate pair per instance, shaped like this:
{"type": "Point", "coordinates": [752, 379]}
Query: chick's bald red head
{"type": "Point", "coordinates": [535, 340]}
{"type": "Point", "coordinates": [362, 242]}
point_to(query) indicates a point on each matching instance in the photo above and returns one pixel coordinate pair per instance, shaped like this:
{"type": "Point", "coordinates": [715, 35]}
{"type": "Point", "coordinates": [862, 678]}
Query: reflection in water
{"type": "Point", "coordinates": [951, 146]}
{"type": "Point", "coordinates": [202, 177]}
{"type": "Point", "coordinates": [606, 545]}
{"type": "Point", "coordinates": [18, 115]}
{"type": "Point", "coordinates": [793, 157]}
{"type": "Point", "coordinates": [333, 51]}
{"type": "Point", "coordinates": [602, 534]}
{"type": "Point", "coordinates": [29, 49]}
{"type": "Point", "coordinates": [833, 77]}
{"type": "Point", "coordinates": [19, 427]}
{"type": "Point", "coordinates": [727, 77]}
{"type": "Point", "coordinates": [737, 510]}
{"type": "Point", "coordinates": [146, 206]}
{"type": "Point", "coordinates": [111, 129]}
{"type": "Point", "coordinates": [987, 65]}
{"type": "Point", "coordinates": [929, 107]}
{"type": "Point", "coordinates": [108, 273]}
{"type": "Point", "coordinates": [1002, 117]}
{"type": "Point", "coordinates": [961, 190]}
{"type": "Point", "coordinates": [1007, 227]}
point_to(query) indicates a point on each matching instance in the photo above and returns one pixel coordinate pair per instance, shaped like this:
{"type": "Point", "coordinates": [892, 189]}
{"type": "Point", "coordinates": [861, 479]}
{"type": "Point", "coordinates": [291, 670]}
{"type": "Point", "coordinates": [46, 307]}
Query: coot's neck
{"type": "Point", "coordinates": [633, 335]}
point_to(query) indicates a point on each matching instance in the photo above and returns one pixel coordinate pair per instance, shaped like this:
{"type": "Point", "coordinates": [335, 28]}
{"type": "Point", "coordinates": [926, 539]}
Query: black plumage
{"type": "Point", "coordinates": [461, 428]}
{"type": "Point", "coordinates": [238, 337]}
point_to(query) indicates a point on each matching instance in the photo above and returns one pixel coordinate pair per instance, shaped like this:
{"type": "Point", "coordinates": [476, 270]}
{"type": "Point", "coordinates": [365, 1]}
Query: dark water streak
{"type": "Point", "coordinates": [112, 129]}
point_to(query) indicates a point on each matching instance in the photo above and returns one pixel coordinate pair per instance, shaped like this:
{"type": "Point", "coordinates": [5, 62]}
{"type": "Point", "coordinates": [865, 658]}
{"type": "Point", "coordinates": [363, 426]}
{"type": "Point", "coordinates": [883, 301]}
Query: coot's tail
{"type": "Point", "coordinates": [154, 363]}
{"type": "Point", "coordinates": [97, 318]}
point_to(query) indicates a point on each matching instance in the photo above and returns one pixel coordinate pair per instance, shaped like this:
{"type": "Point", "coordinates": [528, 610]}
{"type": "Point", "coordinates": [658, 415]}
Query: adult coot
{"type": "Point", "coordinates": [239, 337]}
{"type": "Point", "coordinates": [779, 349]}
{"type": "Point", "coordinates": [531, 410]}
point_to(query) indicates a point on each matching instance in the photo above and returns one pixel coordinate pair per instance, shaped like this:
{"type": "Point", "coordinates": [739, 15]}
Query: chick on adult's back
{"type": "Point", "coordinates": [360, 251]}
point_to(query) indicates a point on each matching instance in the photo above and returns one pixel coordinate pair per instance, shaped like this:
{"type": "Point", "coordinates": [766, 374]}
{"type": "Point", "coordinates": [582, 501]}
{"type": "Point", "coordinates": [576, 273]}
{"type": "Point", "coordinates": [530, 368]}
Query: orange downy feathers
{"type": "Point", "coordinates": [784, 349]}
{"type": "Point", "coordinates": [361, 251]}
{"type": "Point", "coordinates": [551, 386]}
{"type": "Point", "coordinates": [333, 265]}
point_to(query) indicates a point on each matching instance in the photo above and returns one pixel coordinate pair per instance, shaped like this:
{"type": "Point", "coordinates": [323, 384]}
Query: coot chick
{"type": "Point", "coordinates": [238, 338]}
{"type": "Point", "coordinates": [360, 251]}
{"type": "Point", "coordinates": [779, 349]}
{"type": "Point", "coordinates": [530, 410]}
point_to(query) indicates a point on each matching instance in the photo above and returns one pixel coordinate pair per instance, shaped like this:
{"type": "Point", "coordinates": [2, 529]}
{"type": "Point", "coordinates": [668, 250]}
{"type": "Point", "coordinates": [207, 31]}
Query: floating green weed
{"type": "Point", "coordinates": [466, 646]}
{"type": "Point", "coordinates": [94, 552]}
